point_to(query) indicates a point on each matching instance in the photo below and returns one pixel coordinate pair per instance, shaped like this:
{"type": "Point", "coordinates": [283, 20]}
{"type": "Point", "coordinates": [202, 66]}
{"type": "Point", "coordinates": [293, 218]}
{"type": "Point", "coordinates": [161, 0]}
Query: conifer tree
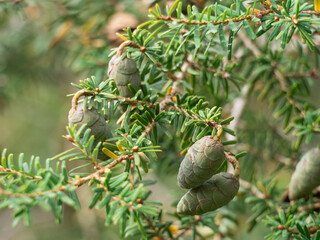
{"type": "Point", "coordinates": [182, 94]}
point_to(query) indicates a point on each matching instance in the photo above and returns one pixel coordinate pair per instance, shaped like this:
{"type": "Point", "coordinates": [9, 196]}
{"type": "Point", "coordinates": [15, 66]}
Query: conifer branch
{"type": "Point", "coordinates": [7, 170]}
{"type": "Point", "coordinates": [79, 182]}
{"type": "Point", "coordinates": [259, 14]}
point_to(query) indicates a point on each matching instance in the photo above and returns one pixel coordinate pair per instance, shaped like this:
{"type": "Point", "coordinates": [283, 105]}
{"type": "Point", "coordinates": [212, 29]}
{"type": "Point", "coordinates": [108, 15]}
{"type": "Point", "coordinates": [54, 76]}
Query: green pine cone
{"type": "Point", "coordinates": [95, 121]}
{"type": "Point", "coordinates": [124, 72]}
{"type": "Point", "coordinates": [202, 160]}
{"type": "Point", "coordinates": [211, 195]}
{"type": "Point", "coordinates": [306, 177]}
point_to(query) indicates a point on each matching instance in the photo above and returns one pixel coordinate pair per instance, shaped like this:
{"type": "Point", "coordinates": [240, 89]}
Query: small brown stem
{"type": "Point", "coordinates": [101, 171]}
{"type": "Point", "coordinates": [150, 224]}
{"type": "Point", "coordinates": [79, 94]}
{"type": "Point", "coordinates": [127, 44]}
{"type": "Point", "coordinates": [235, 163]}
{"type": "Point", "coordinates": [97, 165]}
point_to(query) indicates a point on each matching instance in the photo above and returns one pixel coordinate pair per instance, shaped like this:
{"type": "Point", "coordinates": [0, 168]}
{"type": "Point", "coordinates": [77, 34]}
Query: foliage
{"type": "Point", "coordinates": [183, 52]}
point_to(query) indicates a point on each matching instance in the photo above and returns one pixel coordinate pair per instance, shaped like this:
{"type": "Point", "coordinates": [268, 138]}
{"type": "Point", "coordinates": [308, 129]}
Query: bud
{"type": "Point", "coordinates": [135, 148]}
{"type": "Point", "coordinates": [173, 229]}
{"type": "Point", "coordinates": [95, 121]}
{"type": "Point", "coordinates": [202, 160]}
{"type": "Point", "coordinates": [213, 194]}
{"type": "Point", "coordinates": [69, 138]}
{"type": "Point", "coordinates": [124, 72]}
{"type": "Point", "coordinates": [306, 177]}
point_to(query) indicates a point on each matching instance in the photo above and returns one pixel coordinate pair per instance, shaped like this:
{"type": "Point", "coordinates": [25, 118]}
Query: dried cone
{"type": "Point", "coordinates": [124, 72]}
{"type": "Point", "coordinates": [306, 177]}
{"type": "Point", "coordinates": [95, 121]}
{"type": "Point", "coordinates": [202, 160]}
{"type": "Point", "coordinates": [117, 23]}
{"type": "Point", "coordinates": [213, 194]}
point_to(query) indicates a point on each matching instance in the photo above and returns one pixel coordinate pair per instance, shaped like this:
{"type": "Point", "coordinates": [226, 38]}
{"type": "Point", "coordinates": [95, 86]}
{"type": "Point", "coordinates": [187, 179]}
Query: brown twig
{"type": "Point", "coordinates": [134, 101]}
{"type": "Point", "coordinates": [259, 14]}
{"type": "Point", "coordinates": [97, 165]}
{"type": "Point", "coordinates": [311, 12]}
{"type": "Point", "coordinates": [313, 74]}
{"type": "Point", "coordinates": [183, 231]}
{"type": "Point", "coordinates": [254, 190]}
{"type": "Point", "coordinates": [282, 81]}
{"type": "Point", "coordinates": [148, 128]}
{"type": "Point", "coordinates": [98, 173]}
{"type": "Point", "coordinates": [150, 224]}
{"type": "Point", "coordinates": [7, 170]}
{"type": "Point", "coordinates": [12, 1]}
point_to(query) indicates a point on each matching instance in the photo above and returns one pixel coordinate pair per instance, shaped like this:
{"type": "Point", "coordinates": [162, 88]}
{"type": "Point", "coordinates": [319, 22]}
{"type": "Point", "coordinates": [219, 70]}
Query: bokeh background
{"type": "Point", "coordinates": [46, 45]}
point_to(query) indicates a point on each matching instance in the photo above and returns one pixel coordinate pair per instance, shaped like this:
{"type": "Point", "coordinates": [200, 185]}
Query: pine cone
{"type": "Point", "coordinates": [124, 72]}
{"type": "Point", "coordinates": [203, 159]}
{"type": "Point", "coordinates": [306, 177]}
{"type": "Point", "coordinates": [95, 121]}
{"type": "Point", "coordinates": [213, 194]}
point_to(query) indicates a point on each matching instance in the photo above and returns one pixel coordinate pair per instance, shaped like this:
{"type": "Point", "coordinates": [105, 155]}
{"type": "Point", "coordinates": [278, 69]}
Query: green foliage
{"type": "Point", "coordinates": [194, 66]}
{"type": "Point", "coordinates": [287, 226]}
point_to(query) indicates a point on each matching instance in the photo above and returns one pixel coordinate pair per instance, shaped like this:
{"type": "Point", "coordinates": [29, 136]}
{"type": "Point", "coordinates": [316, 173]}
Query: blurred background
{"type": "Point", "coordinates": [46, 45]}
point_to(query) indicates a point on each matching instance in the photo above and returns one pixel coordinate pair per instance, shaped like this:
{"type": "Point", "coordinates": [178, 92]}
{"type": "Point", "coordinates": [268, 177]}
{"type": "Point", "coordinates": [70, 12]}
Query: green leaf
{"type": "Point", "coordinates": [66, 199]}
{"type": "Point", "coordinates": [222, 38]}
{"type": "Point", "coordinates": [197, 36]}
{"type": "Point", "coordinates": [172, 7]}
{"type": "Point", "coordinates": [248, 29]}
{"type": "Point", "coordinates": [141, 228]}
{"type": "Point", "coordinates": [172, 40]}
{"type": "Point", "coordinates": [117, 180]}
{"type": "Point", "coordinates": [275, 32]}
{"type": "Point", "coordinates": [94, 199]}
{"type": "Point", "coordinates": [229, 52]}
{"type": "Point", "coordinates": [105, 201]}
